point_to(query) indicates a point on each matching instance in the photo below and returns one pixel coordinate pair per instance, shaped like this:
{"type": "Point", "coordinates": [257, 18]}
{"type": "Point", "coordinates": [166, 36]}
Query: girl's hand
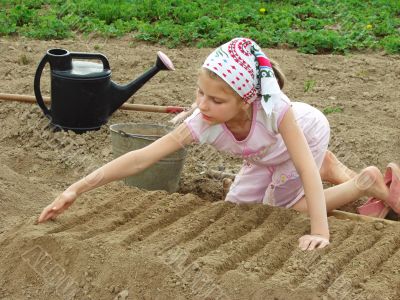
{"type": "Point", "coordinates": [310, 242]}
{"type": "Point", "coordinates": [183, 115]}
{"type": "Point", "coordinates": [58, 206]}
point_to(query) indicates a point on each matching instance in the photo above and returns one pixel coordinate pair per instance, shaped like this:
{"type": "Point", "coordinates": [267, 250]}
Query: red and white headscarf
{"type": "Point", "coordinates": [245, 68]}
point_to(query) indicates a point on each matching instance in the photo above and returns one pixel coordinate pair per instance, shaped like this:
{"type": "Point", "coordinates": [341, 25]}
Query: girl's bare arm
{"type": "Point", "coordinates": [128, 164]}
{"type": "Point", "coordinates": [306, 167]}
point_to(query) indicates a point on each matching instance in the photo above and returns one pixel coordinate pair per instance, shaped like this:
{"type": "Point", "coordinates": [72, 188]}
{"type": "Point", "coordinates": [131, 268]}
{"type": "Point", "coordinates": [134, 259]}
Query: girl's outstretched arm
{"type": "Point", "coordinates": [306, 167]}
{"type": "Point", "coordinates": [183, 115]}
{"type": "Point", "coordinates": [128, 164]}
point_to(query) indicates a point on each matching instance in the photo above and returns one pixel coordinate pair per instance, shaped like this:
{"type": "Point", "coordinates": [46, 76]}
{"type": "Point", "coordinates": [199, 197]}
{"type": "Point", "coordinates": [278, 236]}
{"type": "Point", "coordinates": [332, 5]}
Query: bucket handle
{"type": "Point", "coordinates": [125, 134]}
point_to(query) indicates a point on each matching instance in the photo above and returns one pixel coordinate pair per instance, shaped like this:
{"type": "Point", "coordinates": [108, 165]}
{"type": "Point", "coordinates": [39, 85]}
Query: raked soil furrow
{"type": "Point", "coordinates": [236, 250]}
{"type": "Point", "coordinates": [229, 228]}
{"type": "Point", "coordinates": [381, 283]}
{"type": "Point", "coordinates": [120, 218]}
{"type": "Point", "coordinates": [302, 263]}
{"type": "Point", "coordinates": [274, 254]}
{"type": "Point", "coordinates": [114, 208]}
{"type": "Point", "coordinates": [158, 219]}
{"type": "Point", "coordinates": [230, 254]}
{"type": "Point", "coordinates": [331, 266]}
{"type": "Point", "coordinates": [358, 269]}
{"type": "Point", "coordinates": [188, 227]}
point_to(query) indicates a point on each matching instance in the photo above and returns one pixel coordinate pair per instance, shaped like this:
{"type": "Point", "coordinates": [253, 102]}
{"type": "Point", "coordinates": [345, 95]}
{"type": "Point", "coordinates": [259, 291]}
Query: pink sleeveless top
{"type": "Point", "coordinates": [264, 145]}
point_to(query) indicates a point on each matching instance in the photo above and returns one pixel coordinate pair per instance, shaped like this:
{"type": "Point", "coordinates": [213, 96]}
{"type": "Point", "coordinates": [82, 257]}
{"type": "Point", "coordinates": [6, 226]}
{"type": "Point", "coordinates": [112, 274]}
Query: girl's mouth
{"type": "Point", "coordinates": [206, 117]}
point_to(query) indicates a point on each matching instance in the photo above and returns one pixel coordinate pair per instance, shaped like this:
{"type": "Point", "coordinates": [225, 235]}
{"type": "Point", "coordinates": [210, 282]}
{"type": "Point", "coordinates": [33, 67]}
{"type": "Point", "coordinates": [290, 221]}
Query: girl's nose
{"type": "Point", "coordinates": [202, 104]}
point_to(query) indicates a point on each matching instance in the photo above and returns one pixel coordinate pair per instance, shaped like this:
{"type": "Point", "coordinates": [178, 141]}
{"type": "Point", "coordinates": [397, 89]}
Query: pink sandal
{"type": "Point", "coordinates": [393, 172]}
{"type": "Point", "coordinates": [378, 208]}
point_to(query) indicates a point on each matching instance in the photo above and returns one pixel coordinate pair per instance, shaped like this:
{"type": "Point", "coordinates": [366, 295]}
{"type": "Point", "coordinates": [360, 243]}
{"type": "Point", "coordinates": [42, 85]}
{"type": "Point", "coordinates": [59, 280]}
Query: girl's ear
{"type": "Point", "coordinates": [245, 105]}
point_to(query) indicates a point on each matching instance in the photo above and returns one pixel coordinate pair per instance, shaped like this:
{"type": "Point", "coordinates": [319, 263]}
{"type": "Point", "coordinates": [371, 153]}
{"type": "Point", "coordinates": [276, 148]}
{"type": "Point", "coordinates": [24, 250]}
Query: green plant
{"type": "Point", "coordinates": [308, 85]}
{"type": "Point", "coordinates": [311, 26]}
{"type": "Point", "coordinates": [48, 27]}
{"type": "Point", "coordinates": [330, 110]}
{"type": "Point", "coordinates": [391, 44]}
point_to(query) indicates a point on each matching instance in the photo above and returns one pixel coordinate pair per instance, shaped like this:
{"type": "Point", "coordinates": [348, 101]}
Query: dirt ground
{"type": "Point", "coordinates": [119, 242]}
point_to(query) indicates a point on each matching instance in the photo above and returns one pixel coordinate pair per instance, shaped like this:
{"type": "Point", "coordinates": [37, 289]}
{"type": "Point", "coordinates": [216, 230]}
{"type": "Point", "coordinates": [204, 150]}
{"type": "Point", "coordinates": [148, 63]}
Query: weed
{"type": "Point", "coordinates": [308, 85]}
{"type": "Point", "coordinates": [329, 110]}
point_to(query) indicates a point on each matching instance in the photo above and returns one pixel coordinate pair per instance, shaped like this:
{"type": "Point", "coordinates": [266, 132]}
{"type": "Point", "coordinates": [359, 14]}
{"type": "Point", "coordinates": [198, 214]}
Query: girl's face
{"type": "Point", "coordinates": [217, 102]}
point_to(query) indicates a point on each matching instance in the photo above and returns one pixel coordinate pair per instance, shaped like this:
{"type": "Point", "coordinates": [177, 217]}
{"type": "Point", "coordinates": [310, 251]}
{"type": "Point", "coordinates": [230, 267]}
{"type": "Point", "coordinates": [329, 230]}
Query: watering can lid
{"type": "Point", "coordinates": [84, 70]}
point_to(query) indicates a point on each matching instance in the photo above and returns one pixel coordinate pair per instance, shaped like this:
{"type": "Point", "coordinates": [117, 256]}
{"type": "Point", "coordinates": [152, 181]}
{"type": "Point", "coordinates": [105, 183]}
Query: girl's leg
{"type": "Point", "coordinates": [334, 171]}
{"type": "Point", "coordinates": [249, 185]}
{"type": "Point", "coordinates": [368, 183]}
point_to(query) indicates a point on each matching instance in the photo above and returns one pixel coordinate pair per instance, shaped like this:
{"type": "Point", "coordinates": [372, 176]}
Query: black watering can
{"type": "Point", "coordinates": [82, 93]}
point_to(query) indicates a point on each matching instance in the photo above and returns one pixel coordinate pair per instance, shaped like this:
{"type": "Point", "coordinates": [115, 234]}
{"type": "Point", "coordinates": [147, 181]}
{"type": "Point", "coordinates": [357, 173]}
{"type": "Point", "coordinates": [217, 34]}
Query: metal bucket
{"type": "Point", "coordinates": [163, 175]}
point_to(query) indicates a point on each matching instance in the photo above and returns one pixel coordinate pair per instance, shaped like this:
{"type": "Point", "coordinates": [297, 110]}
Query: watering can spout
{"type": "Point", "coordinates": [121, 93]}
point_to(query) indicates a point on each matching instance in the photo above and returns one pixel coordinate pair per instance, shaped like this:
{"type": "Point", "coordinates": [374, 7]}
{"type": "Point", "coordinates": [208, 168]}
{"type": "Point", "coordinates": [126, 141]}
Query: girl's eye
{"type": "Point", "coordinates": [216, 101]}
{"type": "Point", "coordinates": [200, 92]}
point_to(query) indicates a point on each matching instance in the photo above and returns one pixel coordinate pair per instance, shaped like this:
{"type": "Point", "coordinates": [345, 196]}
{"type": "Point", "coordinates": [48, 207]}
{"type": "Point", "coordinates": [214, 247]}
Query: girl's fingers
{"type": "Point", "coordinates": [323, 244]}
{"type": "Point", "coordinates": [54, 216]}
{"type": "Point", "coordinates": [59, 205]}
{"type": "Point", "coordinates": [55, 212]}
{"type": "Point", "coordinates": [45, 214]}
{"type": "Point", "coordinates": [313, 244]}
{"type": "Point", "coordinates": [302, 239]}
{"type": "Point", "coordinates": [304, 244]}
{"type": "Point", "coordinates": [48, 213]}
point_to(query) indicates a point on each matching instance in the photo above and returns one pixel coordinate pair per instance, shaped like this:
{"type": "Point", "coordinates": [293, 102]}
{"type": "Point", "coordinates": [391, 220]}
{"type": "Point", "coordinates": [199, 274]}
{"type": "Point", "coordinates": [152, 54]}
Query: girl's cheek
{"type": "Point", "coordinates": [198, 99]}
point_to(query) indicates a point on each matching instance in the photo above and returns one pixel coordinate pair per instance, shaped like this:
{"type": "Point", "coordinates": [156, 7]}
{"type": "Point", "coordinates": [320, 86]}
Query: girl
{"type": "Point", "coordinates": [242, 110]}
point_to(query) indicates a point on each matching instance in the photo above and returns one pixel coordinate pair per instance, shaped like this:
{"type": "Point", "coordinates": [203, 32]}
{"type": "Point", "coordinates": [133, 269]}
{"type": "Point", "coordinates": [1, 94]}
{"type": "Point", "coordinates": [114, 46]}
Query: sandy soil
{"type": "Point", "coordinates": [125, 243]}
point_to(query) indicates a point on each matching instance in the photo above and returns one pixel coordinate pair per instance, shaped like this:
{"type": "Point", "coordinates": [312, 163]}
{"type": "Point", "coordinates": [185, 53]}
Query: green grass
{"type": "Point", "coordinates": [311, 26]}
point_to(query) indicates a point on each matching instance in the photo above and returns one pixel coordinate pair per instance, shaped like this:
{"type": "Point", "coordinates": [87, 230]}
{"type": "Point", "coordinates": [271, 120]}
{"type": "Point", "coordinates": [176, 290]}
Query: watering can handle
{"type": "Point", "coordinates": [99, 56]}
{"type": "Point", "coordinates": [36, 86]}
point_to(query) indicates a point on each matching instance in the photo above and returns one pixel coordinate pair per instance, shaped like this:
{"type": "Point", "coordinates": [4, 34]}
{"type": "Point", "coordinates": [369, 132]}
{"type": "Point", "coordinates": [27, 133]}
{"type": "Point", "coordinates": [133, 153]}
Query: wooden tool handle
{"type": "Point", "coordinates": [126, 106]}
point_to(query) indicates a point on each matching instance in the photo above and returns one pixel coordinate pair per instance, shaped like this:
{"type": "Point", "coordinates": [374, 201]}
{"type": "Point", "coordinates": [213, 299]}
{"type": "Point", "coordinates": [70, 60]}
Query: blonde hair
{"type": "Point", "coordinates": [278, 73]}
{"type": "Point", "coordinates": [280, 77]}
